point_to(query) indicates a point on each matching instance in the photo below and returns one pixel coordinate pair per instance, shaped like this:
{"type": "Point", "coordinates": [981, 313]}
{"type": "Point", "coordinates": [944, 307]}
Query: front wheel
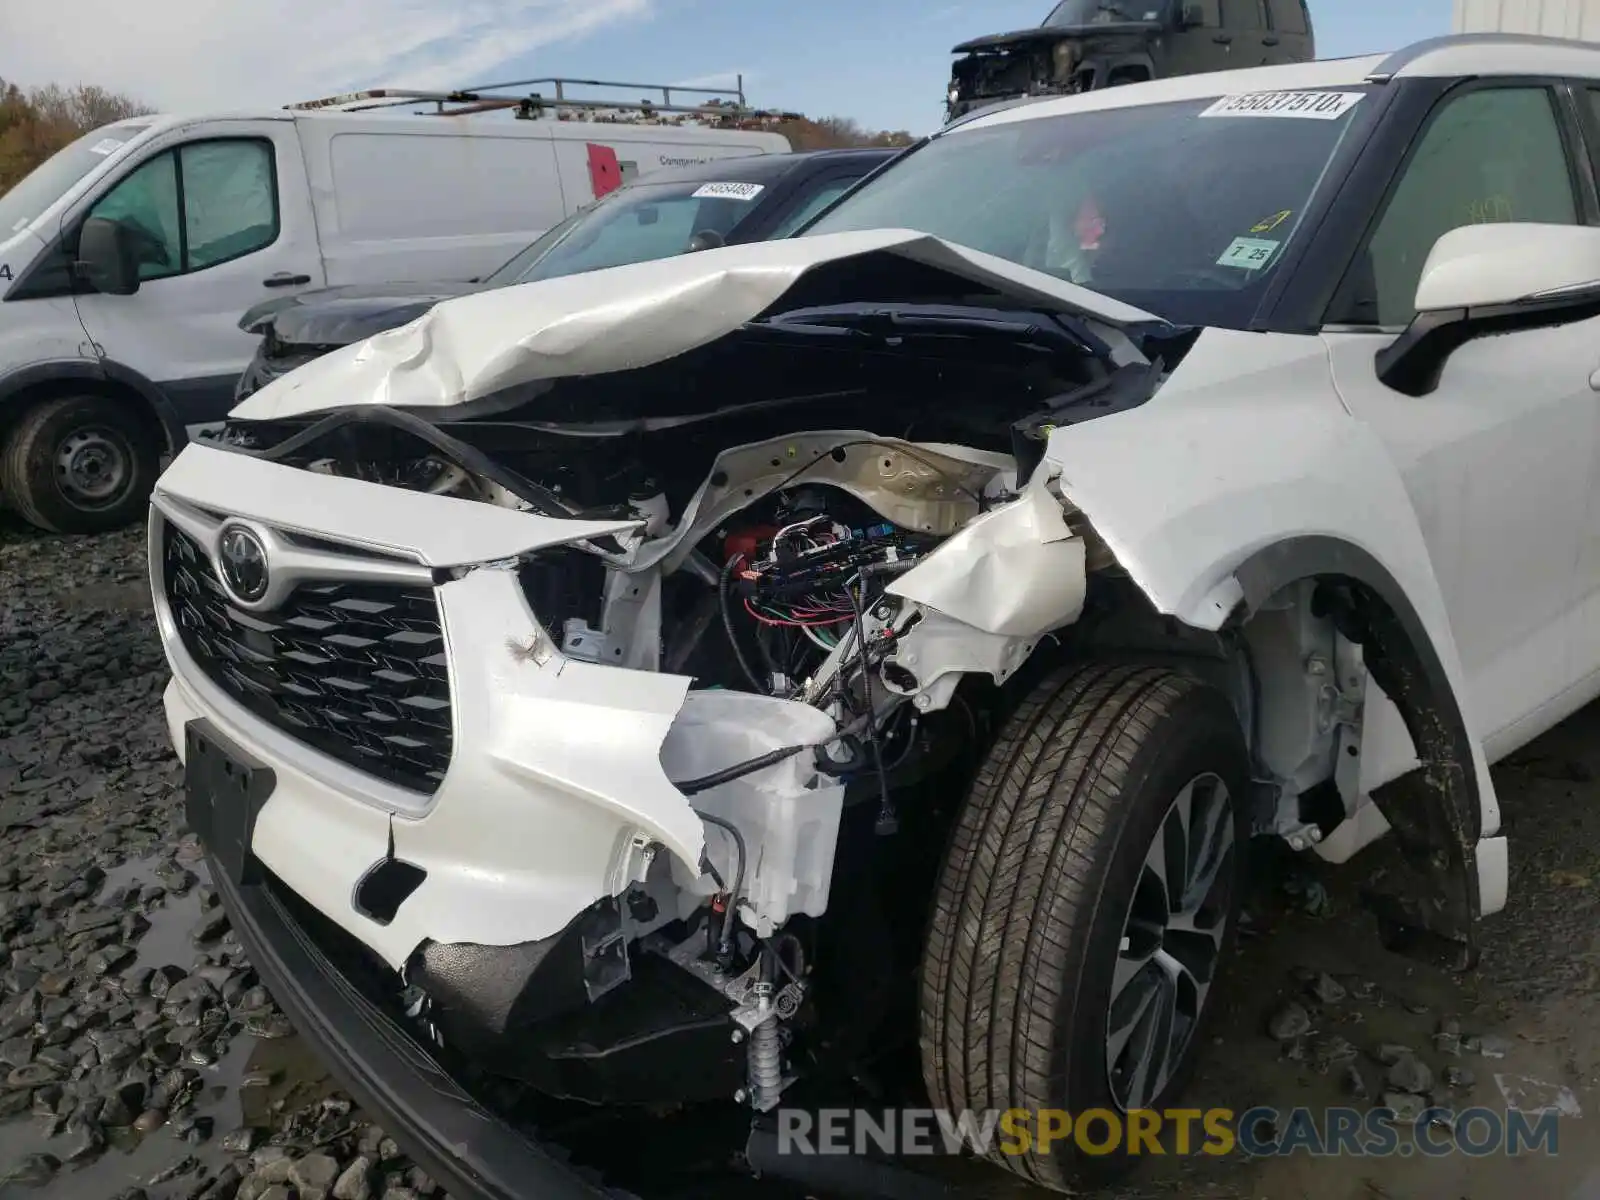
{"type": "Point", "coordinates": [1086, 906]}
{"type": "Point", "coordinates": [80, 464]}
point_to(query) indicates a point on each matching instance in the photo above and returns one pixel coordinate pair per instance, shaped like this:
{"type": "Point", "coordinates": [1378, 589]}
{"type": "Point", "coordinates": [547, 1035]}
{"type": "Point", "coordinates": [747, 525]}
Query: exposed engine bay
{"type": "Point", "coordinates": [835, 524]}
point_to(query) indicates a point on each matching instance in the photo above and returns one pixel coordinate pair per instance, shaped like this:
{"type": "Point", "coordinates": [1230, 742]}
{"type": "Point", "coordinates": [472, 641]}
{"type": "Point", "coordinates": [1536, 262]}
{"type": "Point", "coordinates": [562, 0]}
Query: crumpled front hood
{"type": "Point", "coordinates": [634, 316]}
{"type": "Point", "coordinates": [1048, 34]}
{"type": "Point", "coordinates": [338, 316]}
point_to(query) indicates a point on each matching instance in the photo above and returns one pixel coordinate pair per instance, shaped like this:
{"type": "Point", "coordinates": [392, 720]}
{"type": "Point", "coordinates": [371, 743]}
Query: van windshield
{"type": "Point", "coordinates": [1183, 209]}
{"type": "Point", "coordinates": [51, 179]}
{"type": "Point", "coordinates": [637, 223]}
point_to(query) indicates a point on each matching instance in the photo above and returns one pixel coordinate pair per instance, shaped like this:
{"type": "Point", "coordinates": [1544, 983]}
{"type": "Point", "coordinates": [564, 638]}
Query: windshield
{"type": "Point", "coordinates": [1100, 12]}
{"type": "Point", "coordinates": [52, 178]}
{"type": "Point", "coordinates": [1183, 209]}
{"type": "Point", "coordinates": [638, 223]}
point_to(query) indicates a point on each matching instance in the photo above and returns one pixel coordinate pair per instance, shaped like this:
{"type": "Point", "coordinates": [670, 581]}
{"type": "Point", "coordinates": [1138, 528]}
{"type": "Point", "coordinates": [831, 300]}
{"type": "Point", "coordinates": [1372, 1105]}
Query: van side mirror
{"type": "Point", "coordinates": [1495, 278]}
{"type": "Point", "coordinates": [106, 261]}
{"type": "Point", "coordinates": [706, 239]}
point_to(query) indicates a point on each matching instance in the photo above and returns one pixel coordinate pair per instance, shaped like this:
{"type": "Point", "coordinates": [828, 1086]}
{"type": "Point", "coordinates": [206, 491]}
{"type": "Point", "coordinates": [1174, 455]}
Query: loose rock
{"type": "Point", "coordinates": [1410, 1074]}
{"type": "Point", "coordinates": [1326, 989]}
{"type": "Point", "coordinates": [355, 1182]}
{"type": "Point", "coordinates": [1289, 1021]}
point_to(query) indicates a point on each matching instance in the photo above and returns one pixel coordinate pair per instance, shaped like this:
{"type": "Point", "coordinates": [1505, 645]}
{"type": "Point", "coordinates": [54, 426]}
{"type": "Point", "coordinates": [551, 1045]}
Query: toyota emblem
{"type": "Point", "coordinates": [242, 559]}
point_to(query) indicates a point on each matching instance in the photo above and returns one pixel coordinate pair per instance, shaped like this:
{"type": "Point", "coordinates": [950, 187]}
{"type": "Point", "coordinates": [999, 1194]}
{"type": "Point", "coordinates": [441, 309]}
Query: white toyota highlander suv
{"type": "Point", "coordinates": [623, 684]}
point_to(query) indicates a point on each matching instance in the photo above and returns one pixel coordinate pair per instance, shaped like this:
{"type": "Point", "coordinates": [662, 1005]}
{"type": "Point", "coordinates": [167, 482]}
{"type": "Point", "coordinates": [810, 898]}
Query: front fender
{"type": "Point", "coordinates": [1222, 464]}
{"type": "Point", "coordinates": [1230, 484]}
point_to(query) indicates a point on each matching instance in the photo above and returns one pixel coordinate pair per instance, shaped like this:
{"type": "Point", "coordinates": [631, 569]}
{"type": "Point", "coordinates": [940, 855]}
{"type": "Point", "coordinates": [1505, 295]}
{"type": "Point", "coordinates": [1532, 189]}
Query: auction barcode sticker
{"type": "Point", "coordinates": [1314, 106]}
{"type": "Point", "coordinates": [729, 191]}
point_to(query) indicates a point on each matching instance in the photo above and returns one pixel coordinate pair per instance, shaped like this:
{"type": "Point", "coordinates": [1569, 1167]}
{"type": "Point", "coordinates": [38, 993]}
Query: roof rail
{"type": "Point", "coordinates": [725, 106]}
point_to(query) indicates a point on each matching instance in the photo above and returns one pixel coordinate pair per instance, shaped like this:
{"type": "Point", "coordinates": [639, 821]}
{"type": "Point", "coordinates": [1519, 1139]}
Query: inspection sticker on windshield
{"type": "Point", "coordinates": [728, 191]}
{"type": "Point", "coordinates": [1248, 254]}
{"type": "Point", "coordinates": [1315, 106]}
{"type": "Point", "coordinates": [105, 146]}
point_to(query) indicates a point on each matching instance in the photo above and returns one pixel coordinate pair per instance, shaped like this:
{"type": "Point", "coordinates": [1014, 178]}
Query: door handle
{"type": "Point", "coordinates": [1269, 40]}
{"type": "Point", "coordinates": [1223, 39]}
{"type": "Point", "coordinates": [285, 279]}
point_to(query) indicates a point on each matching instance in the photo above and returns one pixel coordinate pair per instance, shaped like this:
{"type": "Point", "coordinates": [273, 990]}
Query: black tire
{"type": "Point", "coordinates": [45, 467]}
{"type": "Point", "coordinates": [1039, 878]}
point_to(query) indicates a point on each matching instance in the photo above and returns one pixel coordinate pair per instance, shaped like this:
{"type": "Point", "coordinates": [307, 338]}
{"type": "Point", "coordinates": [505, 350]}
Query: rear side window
{"type": "Point", "coordinates": [1242, 14]}
{"type": "Point", "coordinates": [1494, 154]}
{"type": "Point", "coordinates": [199, 205]}
{"type": "Point", "coordinates": [230, 200]}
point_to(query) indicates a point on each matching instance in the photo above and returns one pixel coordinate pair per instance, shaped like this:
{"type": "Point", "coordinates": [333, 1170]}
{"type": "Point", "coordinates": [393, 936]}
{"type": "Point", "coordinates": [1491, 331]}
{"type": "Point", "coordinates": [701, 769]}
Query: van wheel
{"type": "Point", "coordinates": [80, 464]}
{"type": "Point", "coordinates": [1085, 908]}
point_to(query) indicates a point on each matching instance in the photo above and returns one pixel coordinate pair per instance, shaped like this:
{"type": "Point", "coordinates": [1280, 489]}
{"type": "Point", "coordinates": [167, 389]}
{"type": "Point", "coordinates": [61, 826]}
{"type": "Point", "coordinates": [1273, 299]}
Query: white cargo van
{"type": "Point", "coordinates": [127, 259]}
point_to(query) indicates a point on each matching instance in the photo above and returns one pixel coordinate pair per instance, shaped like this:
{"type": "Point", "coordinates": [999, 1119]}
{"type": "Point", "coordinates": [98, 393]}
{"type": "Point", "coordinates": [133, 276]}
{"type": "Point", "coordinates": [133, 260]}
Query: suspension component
{"type": "Point", "coordinates": [765, 1052]}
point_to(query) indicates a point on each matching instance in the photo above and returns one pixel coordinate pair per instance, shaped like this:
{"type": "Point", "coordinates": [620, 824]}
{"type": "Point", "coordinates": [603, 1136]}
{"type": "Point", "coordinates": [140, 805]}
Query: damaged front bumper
{"type": "Point", "coordinates": [446, 1131]}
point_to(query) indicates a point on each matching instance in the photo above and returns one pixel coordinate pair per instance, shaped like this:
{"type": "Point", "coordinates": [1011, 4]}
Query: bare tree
{"type": "Point", "coordinates": [36, 123]}
{"type": "Point", "coordinates": [85, 107]}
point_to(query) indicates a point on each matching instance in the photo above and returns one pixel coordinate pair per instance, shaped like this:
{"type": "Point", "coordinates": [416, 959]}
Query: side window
{"type": "Point", "coordinates": [230, 201]}
{"type": "Point", "coordinates": [146, 203]}
{"type": "Point", "coordinates": [1287, 16]}
{"type": "Point", "coordinates": [1210, 12]}
{"type": "Point", "coordinates": [197, 206]}
{"type": "Point", "coordinates": [1245, 15]}
{"type": "Point", "coordinates": [1490, 155]}
{"type": "Point", "coordinates": [820, 199]}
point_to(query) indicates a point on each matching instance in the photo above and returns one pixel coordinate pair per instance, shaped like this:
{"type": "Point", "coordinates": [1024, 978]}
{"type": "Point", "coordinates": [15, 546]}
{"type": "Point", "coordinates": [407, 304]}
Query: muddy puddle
{"type": "Point", "coordinates": [248, 1086]}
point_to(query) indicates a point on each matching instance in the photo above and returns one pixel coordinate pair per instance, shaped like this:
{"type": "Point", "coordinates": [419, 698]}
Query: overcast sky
{"type": "Point", "coordinates": [884, 62]}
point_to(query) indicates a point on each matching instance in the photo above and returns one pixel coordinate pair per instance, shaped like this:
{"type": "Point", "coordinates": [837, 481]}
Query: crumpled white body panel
{"type": "Point", "coordinates": [621, 318]}
{"type": "Point", "coordinates": [1016, 571]}
{"type": "Point", "coordinates": [1224, 461]}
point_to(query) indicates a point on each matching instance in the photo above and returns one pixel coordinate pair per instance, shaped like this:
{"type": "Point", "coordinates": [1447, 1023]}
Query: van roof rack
{"type": "Point", "coordinates": [723, 106]}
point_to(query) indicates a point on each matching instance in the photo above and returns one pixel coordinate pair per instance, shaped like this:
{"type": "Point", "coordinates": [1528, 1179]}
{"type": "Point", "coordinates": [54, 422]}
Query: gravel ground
{"type": "Point", "coordinates": [139, 1056]}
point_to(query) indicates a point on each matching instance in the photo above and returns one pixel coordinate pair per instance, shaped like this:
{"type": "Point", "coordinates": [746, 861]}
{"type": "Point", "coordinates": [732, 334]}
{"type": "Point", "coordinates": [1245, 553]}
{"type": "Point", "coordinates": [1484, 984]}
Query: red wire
{"type": "Point", "coordinates": [765, 620]}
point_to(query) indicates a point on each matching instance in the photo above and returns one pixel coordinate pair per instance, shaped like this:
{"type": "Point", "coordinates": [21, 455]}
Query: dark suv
{"type": "Point", "coordinates": [1086, 44]}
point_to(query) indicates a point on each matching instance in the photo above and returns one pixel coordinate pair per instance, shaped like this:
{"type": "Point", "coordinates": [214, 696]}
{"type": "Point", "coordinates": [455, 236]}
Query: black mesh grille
{"type": "Point", "coordinates": [355, 670]}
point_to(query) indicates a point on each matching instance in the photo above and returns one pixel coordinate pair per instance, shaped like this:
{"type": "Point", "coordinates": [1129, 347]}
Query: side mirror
{"type": "Point", "coordinates": [1496, 278]}
{"type": "Point", "coordinates": [106, 261]}
{"type": "Point", "coordinates": [1192, 16]}
{"type": "Point", "coordinates": [706, 239]}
